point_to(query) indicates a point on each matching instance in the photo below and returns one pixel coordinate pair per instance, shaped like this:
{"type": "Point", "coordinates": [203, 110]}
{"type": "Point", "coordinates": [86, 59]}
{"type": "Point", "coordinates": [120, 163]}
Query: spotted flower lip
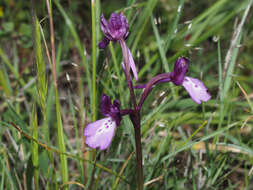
{"type": "Point", "coordinates": [196, 89]}
{"type": "Point", "coordinates": [99, 134]}
{"type": "Point", "coordinates": [115, 29]}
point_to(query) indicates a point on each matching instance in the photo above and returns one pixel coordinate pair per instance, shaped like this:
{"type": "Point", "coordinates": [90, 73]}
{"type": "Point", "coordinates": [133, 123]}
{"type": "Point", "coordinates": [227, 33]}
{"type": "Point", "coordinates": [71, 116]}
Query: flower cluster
{"type": "Point", "coordinates": [99, 134]}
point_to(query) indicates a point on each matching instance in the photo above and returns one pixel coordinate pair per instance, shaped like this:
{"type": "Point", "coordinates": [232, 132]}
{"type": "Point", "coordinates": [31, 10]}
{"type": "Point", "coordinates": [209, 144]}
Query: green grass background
{"type": "Point", "coordinates": [185, 145]}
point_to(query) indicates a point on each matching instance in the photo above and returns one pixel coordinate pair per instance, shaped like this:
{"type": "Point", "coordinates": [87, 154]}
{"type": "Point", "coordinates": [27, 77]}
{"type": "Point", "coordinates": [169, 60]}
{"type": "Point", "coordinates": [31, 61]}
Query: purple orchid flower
{"type": "Point", "coordinates": [117, 30]}
{"type": "Point", "coordinates": [196, 88]}
{"type": "Point", "coordinates": [99, 134]}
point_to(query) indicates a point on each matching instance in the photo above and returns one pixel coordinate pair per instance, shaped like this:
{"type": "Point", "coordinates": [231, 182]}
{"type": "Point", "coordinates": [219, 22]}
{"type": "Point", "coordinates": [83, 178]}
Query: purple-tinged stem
{"type": "Point", "coordinates": [137, 133]}
{"type": "Point", "coordinates": [162, 77]}
{"type": "Point", "coordinates": [136, 120]}
{"type": "Point", "coordinates": [134, 116]}
{"type": "Point", "coordinates": [126, 112]}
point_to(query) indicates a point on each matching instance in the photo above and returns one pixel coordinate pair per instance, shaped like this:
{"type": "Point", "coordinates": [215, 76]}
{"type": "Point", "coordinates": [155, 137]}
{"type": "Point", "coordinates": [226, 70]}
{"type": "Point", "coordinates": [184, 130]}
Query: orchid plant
{"type": "Point", "coordinates": [99, 134]}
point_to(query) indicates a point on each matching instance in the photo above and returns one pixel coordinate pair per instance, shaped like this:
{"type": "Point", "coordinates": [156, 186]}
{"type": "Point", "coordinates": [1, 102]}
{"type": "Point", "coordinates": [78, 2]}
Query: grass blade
{"type": "Point", "coordinates": [35, 153]}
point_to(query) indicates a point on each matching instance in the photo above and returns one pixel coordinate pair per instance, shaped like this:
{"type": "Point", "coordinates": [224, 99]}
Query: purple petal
{"type": "Point", "coordinates": [116, 28]}
{"type": "Point", "coordinates": [132, 64]}
{"type": "Point", "coordinates": [105, 27]}
{"type": "Point", "coordinates": [115, 112]}
{"type": "Point", "coordinates": [124, 25]}
{"type": "Point", "coordinates": [196, 89]}
{"type": "Point", "coordinates": [104, 42]}
{"type": "Point", "coordinates": [99, 134]}
{"type": "Point", "coordinates": [180, 69]}
{"type": "Point", "coordinates": [115, 21]}
{"type": "Point", "coordinates": [103, 24]}
{"type": "Point", "coordinates": [105, 105]}
{"type": "Point", "coordinates": [116, 104]}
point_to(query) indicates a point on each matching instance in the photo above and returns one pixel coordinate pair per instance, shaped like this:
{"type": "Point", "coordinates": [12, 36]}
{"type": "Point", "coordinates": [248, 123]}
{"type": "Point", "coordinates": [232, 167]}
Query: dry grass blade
{"type": "Point", "coordinates": [122, 170]}
{"type": "Point", "coordinates": [246, 121]}
{"type": "Point", "coordinates": [246, 96]}
{"type": "Point", "coordinates": [154, 180]}
{"type": "Point", "coordinates": [72, 183]}
{"type": "Point", "coordinates": [234, 40]}
{"type": "Point", "coordinates": [220, 147]}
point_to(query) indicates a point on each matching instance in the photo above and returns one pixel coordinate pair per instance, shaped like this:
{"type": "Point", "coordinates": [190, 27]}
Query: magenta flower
{"type": "Point", "coordinates": [196, 89]}
{"type": "Point", "coordinates": [116, 30]}
{"type": "Point", "coordinates": [99, 134]}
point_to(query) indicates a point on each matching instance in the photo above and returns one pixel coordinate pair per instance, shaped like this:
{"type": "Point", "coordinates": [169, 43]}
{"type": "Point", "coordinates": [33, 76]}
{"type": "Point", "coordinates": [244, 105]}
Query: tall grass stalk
{"type": "Point", "coordinates": [60, 133]}
{"type": "Point", "coordinates": [42, 94]}
{"type": "Point", "coordinates": [82, 52]}
{"type": "Point", "coordinates": [34, 147]}
{"type": "Point", "coordinates": [94, 50]}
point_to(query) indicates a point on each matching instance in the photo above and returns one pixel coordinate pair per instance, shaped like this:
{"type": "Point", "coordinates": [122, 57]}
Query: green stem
{"type": "Point", "coordinates": [93, 28]}
{"type": "Point", "coordinates": [35, 157]}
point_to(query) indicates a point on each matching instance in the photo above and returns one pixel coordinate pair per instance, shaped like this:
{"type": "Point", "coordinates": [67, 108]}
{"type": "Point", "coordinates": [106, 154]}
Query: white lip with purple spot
{"type": "Point", "coordinates": [196, 90]}
{"type": "Point", "coordinates": [99, 134]}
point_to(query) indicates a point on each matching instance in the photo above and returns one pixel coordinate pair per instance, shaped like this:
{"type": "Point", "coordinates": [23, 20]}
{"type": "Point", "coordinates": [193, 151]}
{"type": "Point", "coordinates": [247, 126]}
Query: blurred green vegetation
{"type": "Point", "coordinates": [185, 145]}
